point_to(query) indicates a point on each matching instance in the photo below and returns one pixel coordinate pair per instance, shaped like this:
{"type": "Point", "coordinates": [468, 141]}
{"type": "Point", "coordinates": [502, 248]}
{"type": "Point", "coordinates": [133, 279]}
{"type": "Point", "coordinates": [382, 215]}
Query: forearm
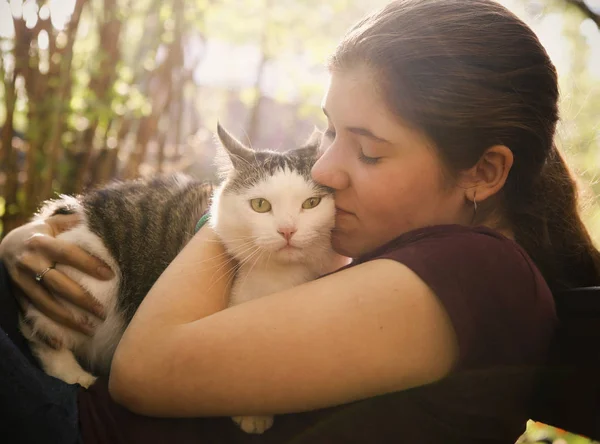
{"type": "Point", "coordinates": [195, 285]}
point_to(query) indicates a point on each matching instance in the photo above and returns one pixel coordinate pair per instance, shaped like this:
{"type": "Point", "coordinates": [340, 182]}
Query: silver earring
{"type": "Point", "coordinates": [475, 202]}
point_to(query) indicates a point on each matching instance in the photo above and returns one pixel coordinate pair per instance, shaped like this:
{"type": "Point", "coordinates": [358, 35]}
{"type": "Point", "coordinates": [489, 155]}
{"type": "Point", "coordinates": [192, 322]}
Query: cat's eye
{"type": "Point", "coordinates": [311, 202]}
{"type": "Point", "coordinates": [260, 205]}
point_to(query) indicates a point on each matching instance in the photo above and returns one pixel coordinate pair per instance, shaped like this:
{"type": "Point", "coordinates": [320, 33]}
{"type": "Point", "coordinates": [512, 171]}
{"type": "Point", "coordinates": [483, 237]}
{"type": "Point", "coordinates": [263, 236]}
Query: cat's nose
{"type": "Point", "coordinates": [286, 232]}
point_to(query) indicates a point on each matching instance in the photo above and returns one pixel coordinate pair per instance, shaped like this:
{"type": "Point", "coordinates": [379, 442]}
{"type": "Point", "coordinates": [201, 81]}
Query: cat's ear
{"type": "Point", "coordinates": [238, 153]}
{"type": "Point", "coordinates": [313, 144]}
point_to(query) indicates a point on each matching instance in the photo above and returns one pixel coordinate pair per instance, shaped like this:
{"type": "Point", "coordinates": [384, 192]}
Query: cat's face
{"type": "Point", "coordinates": [269, 208]}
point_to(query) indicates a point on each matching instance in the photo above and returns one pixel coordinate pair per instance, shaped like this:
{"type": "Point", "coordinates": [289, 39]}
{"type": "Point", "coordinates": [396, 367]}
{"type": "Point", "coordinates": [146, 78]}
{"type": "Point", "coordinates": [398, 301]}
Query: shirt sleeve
{"type": "Point", "coordinates": [498, 303]}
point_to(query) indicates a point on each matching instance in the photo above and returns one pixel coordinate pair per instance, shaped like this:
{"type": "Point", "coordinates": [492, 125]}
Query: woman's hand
{"type": "Point", "coordinates": [31, 248]}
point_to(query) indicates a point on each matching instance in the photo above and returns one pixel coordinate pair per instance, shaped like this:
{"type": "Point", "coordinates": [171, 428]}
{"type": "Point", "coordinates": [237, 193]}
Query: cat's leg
{"type": "Point", "coordinates": [254, 424]}
{"type": "Point", "coordinates": [59, 361]}
{"type": "Point", "coordinates": [61, 364]}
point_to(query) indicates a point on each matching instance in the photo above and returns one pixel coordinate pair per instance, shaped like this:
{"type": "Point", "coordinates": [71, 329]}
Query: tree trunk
{"type": "Point", "coordinates": [10, 155]}
{"type": "Point", "coordinates": [146, 130]}
{"type": "Point", "coordinates": [101, 86]}
{"type": "Point", "coordinates": [9, 106]}
{"type": "Point", "coordinates": [162, 142]}
{"type": "Point", "coordinates": [161, 92]}
{"type": "Point", "coordinates": [59, 115]}
{"type": "Point", "coordinates": [27, 67]}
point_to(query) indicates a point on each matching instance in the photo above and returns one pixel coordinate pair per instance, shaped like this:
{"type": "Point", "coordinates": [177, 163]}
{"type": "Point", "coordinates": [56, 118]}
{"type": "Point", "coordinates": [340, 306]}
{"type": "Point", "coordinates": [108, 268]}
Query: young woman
{"type": "Point", "coordinates": [461, 218]}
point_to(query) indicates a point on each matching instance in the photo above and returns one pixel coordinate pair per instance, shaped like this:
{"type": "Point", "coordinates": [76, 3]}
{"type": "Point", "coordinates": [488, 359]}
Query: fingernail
{"type": "Point", "coordinates": [54, 343]}
{"type": "Point", "coordinates": [100, 312]}
{"type": "Point", "coordinates": [105, 272]}
{"type": "Point", "coordinates": [87, 329]}
{"type": "Point", "coordinates": [96, 307]}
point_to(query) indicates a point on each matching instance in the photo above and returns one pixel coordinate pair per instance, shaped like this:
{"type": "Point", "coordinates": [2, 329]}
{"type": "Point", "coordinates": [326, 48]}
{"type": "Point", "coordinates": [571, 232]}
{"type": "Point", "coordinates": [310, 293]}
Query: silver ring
{"type": "Point", "coordinates": [40, 276]}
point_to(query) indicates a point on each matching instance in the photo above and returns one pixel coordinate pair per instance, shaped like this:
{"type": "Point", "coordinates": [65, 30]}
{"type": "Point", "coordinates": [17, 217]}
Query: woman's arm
{"type": "Point", "coordinates": [368, 330]}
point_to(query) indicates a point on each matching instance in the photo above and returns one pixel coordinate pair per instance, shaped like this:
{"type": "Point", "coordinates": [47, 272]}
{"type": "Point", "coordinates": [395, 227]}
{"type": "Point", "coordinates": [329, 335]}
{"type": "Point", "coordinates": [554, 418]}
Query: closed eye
{"type": "Point", "coordinates": [330, 134]}
{"type": "Point", "coordinates": [368, 160]}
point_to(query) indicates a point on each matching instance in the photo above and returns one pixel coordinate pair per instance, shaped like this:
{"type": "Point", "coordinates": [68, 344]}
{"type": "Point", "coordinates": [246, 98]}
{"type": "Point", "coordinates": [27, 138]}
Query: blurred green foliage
{"type": "Point", "coordinates": [536, 432]}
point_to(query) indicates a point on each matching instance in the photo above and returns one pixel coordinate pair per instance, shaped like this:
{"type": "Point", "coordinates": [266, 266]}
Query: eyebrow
{"type": "Point", "coordinates": [361, 131]}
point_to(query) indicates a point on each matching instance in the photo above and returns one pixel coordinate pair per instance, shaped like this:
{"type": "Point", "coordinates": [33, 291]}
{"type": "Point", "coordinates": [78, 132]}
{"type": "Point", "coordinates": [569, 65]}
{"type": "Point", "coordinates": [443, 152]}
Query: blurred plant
{"type": "Point", "coordinates": [538, 433]}
{"type": "Point", "coordinates": [105, 89]}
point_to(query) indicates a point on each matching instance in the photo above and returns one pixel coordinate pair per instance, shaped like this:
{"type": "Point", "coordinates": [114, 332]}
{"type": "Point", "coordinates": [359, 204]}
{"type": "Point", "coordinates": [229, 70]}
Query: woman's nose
{"type": "Point", "coordinates": [329, 171]}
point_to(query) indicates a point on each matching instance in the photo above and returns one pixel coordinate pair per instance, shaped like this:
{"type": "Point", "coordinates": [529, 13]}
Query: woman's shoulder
{"type": "Point", "coordinates": [476, 252]}
{"type": "Point", "coordinates": [447, 237]}
{"type": "Point", "coordinates": [490, 287]}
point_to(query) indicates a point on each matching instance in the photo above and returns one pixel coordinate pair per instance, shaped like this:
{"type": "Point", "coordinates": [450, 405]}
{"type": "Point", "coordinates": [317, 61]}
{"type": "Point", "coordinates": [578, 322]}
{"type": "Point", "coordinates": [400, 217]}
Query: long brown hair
{"type": "Point", "coordinates": [470, 75]}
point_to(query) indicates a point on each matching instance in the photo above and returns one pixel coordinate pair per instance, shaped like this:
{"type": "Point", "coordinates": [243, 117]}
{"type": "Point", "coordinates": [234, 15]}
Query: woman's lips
{"type": "Point", "coordinates": [341, 212]}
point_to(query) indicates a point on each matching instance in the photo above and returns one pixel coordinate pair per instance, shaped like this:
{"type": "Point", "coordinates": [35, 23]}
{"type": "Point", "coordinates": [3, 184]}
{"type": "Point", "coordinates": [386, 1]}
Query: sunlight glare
{"type": "Point", "coordinates": [594, 5]}
{"type": "Point", "coordinates": [60, 12]}
{"type": "Point", "coordinates": [30, 13]}
{"type": "Point", "coordinates": [43, 40]}
{"type": "Point", "coordinates": [45, 12]}
{"type": "Point", "coordinates": [554, 42]}
{"type": "Point", "coordinates": [7, 29]}
{"type": "Point", "coordinates": [16, 6]}
{"type": "Point", "coordinates": [590, 31]}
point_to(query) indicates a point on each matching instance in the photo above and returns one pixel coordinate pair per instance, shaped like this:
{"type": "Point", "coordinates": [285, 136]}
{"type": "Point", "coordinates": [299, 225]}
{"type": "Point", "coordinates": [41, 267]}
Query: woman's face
{"type": "Point", "coordinates": [387, 177]}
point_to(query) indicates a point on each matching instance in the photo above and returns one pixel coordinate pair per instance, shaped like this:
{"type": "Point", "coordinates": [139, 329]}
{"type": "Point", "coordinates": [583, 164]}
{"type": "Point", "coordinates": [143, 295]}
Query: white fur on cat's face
{"type": "Point", "coordinates": [253, 237]}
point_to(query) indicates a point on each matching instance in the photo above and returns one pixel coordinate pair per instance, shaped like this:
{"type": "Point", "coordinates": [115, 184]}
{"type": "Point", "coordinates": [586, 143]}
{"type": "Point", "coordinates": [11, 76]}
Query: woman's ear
{"type": "Point", "coordinates": [487, 177]}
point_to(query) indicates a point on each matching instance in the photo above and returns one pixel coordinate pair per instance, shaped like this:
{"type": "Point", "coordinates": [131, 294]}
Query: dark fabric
{"type": "Point", "coordinates": [34, 408]}
{"type": "Point", "coordinates": [499, 304]}
{"type": "Point", "coordinates": [504, 317]}
{"type": "Point", "coordinates": [413, 416]}
{"type": "Point", "coordinates": [568, 386]}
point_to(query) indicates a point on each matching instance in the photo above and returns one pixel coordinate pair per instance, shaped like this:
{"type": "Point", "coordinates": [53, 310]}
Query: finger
{"type": "Point", "coordinates": [48, 305]}
{"type": "Point", "coordinates": [67, 253]}
{"type": "Point", "coordinates": [21, 297]}
{"type": "Point", "coordinates": [42, 336]}
{"type": "Point", "coordinates": [60, 223]}
{"type": "Point", "coordinates": [59, 284]}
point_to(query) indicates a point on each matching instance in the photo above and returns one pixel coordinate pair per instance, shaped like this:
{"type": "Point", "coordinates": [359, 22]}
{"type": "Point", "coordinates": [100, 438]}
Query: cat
{"type": "Point", "coordinates": [272, 218]}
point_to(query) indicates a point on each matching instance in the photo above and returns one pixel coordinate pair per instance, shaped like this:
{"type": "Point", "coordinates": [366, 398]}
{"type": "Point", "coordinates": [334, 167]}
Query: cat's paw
{"type": "Point", "coordinates": [254, 424]}
{"type": "Point", "coordinates": [62, 365]}
{"type": "Point", "coordinates": [76, 376]}
{"type": "Point", "coordinates": [85, 380]}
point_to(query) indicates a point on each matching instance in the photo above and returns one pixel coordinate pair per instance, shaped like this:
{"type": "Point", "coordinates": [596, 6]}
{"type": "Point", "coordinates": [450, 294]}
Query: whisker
{"type": "Point", "coordinates": [252, 267]}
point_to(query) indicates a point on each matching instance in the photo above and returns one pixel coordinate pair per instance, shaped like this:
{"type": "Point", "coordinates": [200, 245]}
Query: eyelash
{"type": "Point", "coordinates": [365, 159]}
{"type": "Point", "coordinates": [368, 160]}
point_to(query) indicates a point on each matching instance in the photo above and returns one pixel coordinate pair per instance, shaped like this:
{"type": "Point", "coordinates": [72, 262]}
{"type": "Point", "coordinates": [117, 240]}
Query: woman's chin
{"type": "Point", "coordinates": [342, 244]}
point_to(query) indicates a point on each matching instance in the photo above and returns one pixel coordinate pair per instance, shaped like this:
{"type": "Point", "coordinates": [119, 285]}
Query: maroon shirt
{"type": "Point", "coordinates": [504, 318]}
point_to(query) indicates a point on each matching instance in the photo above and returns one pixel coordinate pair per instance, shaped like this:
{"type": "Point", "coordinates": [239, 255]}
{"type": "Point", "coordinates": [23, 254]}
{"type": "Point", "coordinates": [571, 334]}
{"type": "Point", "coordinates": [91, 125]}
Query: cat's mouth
{"type": "Point", "coordinates": [289, 247]}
